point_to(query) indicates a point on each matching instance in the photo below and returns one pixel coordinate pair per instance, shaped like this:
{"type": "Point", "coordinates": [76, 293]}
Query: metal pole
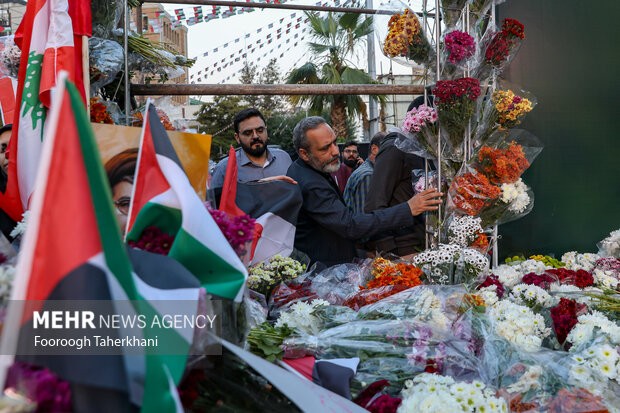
{"type": "Point", "coordinates": [427, 239]}
{"type": "Point", "coordinates": [495, 228]}
{"type": "Point", "coordinates": [372, 72]}
{"type": "Point", "coordinates": [438, 67]}
{"type": "Point", "coordinates": [127, 85]}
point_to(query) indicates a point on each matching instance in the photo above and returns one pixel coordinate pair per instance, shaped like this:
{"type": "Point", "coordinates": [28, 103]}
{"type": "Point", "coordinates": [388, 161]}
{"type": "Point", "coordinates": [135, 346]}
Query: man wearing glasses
{"type": "Point", "coordinates": [350, 160]}
{"type": "Point", "coordinates": [254, 160]}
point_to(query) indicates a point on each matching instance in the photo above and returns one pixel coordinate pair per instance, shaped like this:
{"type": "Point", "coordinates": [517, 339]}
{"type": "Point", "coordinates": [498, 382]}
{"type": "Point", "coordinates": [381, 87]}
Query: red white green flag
{"type": "Point", "coordinates": [164, 197]}
{"type": "Point", "coordinates": [45, 37]}
{"type": "Point", "coordinates": [73, 250]}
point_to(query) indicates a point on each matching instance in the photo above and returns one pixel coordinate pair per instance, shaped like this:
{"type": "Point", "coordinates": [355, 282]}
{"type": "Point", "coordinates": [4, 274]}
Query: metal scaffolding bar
{"type": "Point", "coordinates": [285, 6]}
{"type": "Point", "coordinates": [282, 89]}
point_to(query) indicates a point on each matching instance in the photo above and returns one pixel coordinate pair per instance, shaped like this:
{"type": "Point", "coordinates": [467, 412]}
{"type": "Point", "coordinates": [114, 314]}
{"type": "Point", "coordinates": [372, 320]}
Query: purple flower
{"type": "Point", "coordinates": [459, 45]}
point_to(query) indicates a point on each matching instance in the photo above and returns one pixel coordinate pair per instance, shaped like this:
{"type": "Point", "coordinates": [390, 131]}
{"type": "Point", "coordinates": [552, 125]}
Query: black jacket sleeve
{"type": "Point", "coordinates": [385, 178]}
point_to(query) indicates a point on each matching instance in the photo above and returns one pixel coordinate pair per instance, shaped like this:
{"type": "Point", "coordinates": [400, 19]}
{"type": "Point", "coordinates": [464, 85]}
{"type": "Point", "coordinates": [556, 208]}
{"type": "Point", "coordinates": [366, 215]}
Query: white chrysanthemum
{"type": "Point", "coordinates": [463, 230]}
{"type": "Point", "coordinates": [7, 274]}
{"type": "Point", "coordinates": [299, 316]}
{"type": "Point", "coordinates": [610, 246]}
{"type": "Point", "coordinates": [575, 261]}
{"type": "Point", "coordinates": [605, 279]}
{"type": "Point", "coordinates": [516, 195]}
{"type": "Point", "coordinates": [518, 324]}
{"type": "Point", "coordinates": [535, 266]}
{"type": "Point", "coordinates": [508, 275]}
{"type": "Point", "coordinates": [21, 226]}
{"type": "Point", "coordinates": [531, 295]}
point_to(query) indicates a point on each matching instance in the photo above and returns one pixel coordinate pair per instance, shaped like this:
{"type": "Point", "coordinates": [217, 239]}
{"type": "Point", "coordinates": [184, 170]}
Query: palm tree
{"type": "Point", "coordinates": [335, 37]}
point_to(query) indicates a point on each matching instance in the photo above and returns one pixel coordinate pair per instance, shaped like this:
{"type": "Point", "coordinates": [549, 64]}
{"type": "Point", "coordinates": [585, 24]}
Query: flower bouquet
{"type": "Point", "coordinates": [420, 126]}
{"type": "Point", "coordinates": [452, 264]}
{"type": "Point", "coordinates": [265, 276]}
{"type": "Point", "coordinates": [451, 11]}
{"type": "Point", "coordinates": [610, 246]}
{"type": "Point", "coordinates": [238, 230]}
{"type": "Point", "coordinates": [504, 111]}
{"type": "Point", "coordinates": [501, 47]}
{"type": "Point", "coordinates": [10, 56]}
{"type": "Point", "coordinates": [456, 101]}
{"type": "Point", "coordinates": [153, 240]}
{"type": "Point", "coordinates": [458, 49]}
{"type": "Point", "coordinates": [99, 111]}
{"type": "Point", "coordinates": [402, 37]}
{"type": "Point", "coordinates": [502, 165]}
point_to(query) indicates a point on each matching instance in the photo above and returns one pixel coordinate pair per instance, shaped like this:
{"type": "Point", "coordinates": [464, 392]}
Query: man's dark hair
{"type": "Point", "coordinates": [246, 114]}
{"type": "Point", "coordinates": [419, 101]}
{"type": "Point", "coordinates": [7, 127]}
{"type": "Point", "coordinates": [378, 139]}
{"type": "Point", "coordinates": [300, 140]}
{"type": "Point", "coordinates": [351, 143]}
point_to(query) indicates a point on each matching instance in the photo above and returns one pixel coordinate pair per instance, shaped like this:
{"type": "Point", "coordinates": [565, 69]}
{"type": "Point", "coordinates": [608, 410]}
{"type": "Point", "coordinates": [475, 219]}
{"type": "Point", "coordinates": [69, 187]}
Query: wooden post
{"type": "Point", "coordinates": [281, 89]}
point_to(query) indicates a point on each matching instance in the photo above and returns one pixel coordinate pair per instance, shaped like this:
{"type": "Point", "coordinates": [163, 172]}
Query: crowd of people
{"type": "Point", "coordinates": [351, 207]}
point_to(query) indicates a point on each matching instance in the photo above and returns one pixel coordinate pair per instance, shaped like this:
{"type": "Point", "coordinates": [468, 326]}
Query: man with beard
{"type": "Point", "coordinates": [350, 161]}
{"type": "Point", "coordinates": [254, 160]}
{"type": "Point", "coordinates": [326, 228]}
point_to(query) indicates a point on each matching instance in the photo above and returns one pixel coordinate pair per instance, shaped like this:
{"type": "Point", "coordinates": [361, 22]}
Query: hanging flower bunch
{"type": "Point", "coordinates": [504, 42]}
{"type": "Point", "coordinates": [455, 101]}
{"type": "Point", "coordinates": [473, 192]}
{"type": "Point", "coordinates": [387, 273]}
{"type": "Point", "coordinates": [502, 165]}
{"type": "Point", "coordinates": [510, 108]}
{"type": "Point", "coordinates": [99, 111]}
{"type": "Point", "coordinates": [405, 38]}
{"type": "Point", "coordinates": [419, 117]}
{"type": "Point", "coordinates": [460, 46]}
{"type": "Point", "coordinates": [153, 240]}
{"type": "Point", "coordinates": [237, 230]}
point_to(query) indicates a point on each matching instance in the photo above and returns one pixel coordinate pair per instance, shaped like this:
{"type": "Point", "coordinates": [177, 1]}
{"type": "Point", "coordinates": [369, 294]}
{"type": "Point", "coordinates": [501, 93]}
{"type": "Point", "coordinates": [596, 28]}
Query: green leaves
{"type": "Point", "coordinates": [266, 341]}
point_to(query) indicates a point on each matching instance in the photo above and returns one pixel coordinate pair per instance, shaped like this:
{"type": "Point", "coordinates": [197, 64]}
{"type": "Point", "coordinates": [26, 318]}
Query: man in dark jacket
{"type": "Point", "coordinates": [326, 228]}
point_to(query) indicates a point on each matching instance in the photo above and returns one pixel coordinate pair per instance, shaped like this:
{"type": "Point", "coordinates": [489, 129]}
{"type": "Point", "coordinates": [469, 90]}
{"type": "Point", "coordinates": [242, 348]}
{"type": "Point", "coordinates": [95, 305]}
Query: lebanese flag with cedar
{"type": "Point", "coordinates": [46, 39]}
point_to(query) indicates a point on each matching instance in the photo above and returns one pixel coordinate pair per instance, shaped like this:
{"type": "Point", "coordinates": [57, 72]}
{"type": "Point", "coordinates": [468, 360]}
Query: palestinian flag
{"type": "Point", "coordinates": [72, 250]}
{"type": "Point", "coordinates": [164, 197]}
{"type": "Point", "coordinates": [334, 374]}
{"type": "Point", "coordinates": [45, 37]}
{"type": "Point", "coordinates": [180, 14]}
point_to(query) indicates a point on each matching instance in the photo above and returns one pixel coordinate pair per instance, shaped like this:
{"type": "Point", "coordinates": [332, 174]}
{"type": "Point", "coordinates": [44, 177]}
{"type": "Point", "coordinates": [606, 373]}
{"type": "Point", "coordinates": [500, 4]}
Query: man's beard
{"type": "Point", "coordinates": [250, 150]}
{"type": "Point", "coordinates": [327, 167]}
{"type": "Point", "coordinates": [351, 163]}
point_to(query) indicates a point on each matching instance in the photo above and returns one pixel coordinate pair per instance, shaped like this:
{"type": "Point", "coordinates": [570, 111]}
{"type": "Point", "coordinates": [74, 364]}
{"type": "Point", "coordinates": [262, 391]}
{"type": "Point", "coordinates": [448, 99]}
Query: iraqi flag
{"type": "Point", "coordinates": [72, 250]}
{"type": "Point", "coordinates": [163, 197]}
{"type": "Point", "coordinates": [334, 374]}
{"type": "Point", "coordinates": [45, 37]}
{"type": "Point", "coordinates": [274, 205]}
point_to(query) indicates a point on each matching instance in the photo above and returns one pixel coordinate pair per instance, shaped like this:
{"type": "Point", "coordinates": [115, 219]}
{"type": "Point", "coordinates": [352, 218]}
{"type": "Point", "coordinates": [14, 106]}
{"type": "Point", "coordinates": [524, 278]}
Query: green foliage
{"type": "Point", "coordinates": [266, 341]}
{"type": "Point", "coordinates": [217, 115]}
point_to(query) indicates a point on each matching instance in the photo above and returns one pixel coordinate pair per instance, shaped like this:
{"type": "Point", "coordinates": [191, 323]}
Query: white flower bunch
{"type": "Point", "coordinates": [438, 263]}
{"type": "Point", "coordinates": [532, 296]}
{"type": "Point", "coordinates": [430, 311]}
{"type": "Point", "coordinates": [489, 295]}
{"type": "Point", "coordinates": [433, 393]}
{"type": "Point", "coordinates": [575, 261]}
{"type": "Point", "coordinates": [610, 246]}
{"type": "Point", "coordinates": [518, 324]}
{"type": "Point", "coordinates": [7, 274]}
{"type": "Point", "coordinates": [535, 266]}
{"type": "Point", "coordinates": [516, 195]}
{"type": "Point", "coordinates": [529, 380]}
{"type": "Point", "coordinates": [441, 262]}
{"type": "Point", "coordinates": [271, 273]}
{"type": "Point", "coordinates": [605, 279]}
{"type": "Point", "coordinates": [463, 230]}
{"type": "Point", "coordinates": [21, 226]}
{"type": "Point", "coordinates": [508, 275]}
{"type": "Point", "coordinates": [593, 326]}
{"type": "Point", "coordinates": [10, 57]}
{"type": "Point", "coordinates": [299, 316]}
{"type": "Point", "coordinates": [594, 366]}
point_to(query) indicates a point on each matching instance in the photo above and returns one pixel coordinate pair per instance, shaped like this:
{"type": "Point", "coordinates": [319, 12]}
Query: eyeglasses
{"type": "Point", "coordinates": [250, 132]}
{"type": "Point", "coordinates": [351, 151]}
{"type": "Point", "coordinates": [122, 205]}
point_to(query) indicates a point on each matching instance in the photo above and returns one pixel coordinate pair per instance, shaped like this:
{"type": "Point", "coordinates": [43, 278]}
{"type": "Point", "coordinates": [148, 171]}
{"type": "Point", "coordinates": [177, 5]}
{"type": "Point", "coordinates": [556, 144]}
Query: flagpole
{"type": "Point", "coordinates": [135, 175]}
{"type": "Point", "coordinates": [125, 34]}
{"type": "Point", "coordinates": [12, 323]}
{"type": "Point", "coordinates": [86, 72]}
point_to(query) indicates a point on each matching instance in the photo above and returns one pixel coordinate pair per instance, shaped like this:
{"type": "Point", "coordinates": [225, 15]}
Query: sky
{"type": "Point", "coordinates": [206, 36]}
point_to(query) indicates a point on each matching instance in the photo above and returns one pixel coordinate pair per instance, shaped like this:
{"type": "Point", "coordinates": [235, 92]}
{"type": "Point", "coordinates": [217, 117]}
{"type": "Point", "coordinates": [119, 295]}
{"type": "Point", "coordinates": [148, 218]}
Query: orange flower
{"type": "Point", "coordinates": [481, 243]}
{"type": "Point", "coordinates": [471, 193]}
{"type": "Point", "coordinates": [99, 111]}
{"type": "Point", "coordinates": [387, 273]}
{"type": "Point", "coordinates": [503, 166]}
